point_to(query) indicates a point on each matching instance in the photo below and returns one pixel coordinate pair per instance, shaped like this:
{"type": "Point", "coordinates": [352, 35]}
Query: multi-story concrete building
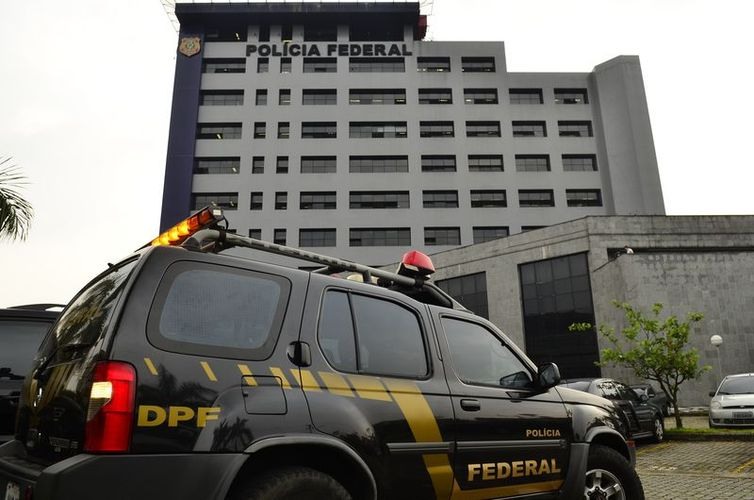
{"type": "Point", "coordinates": [335, 125]}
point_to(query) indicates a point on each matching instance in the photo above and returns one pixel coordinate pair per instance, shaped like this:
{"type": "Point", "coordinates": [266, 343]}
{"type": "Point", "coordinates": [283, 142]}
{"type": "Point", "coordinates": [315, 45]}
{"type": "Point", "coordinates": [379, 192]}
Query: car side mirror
{"type": "Point", "coordinates": [712, 394]}
{"type": "Point", "coordinates": [548, 375]}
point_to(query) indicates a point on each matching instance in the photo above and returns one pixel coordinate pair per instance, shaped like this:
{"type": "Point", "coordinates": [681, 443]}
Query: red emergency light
{"type": "Point", "coordinates": [416, 264]}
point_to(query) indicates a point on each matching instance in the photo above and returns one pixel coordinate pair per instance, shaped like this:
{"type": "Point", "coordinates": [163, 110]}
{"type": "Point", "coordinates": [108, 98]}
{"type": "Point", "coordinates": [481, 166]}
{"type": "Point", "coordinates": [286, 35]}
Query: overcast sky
{"type": "Point", "coordinates": [86, 91]}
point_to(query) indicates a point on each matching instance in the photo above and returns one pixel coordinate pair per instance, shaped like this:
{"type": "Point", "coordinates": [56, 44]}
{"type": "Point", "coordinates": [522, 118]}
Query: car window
{"type": "Point", "coordinates": [389, 336]}
{"type": "Point", "coordinates": [480, 357]}
{"type": "Point", "coordinates": [626, 393]}
{"type": "Point", "coordinates": [236, 311]}
{"type": "Point", "coordinates": [20, 340]}
{"type": "Point", "coordinates": [609, 390]}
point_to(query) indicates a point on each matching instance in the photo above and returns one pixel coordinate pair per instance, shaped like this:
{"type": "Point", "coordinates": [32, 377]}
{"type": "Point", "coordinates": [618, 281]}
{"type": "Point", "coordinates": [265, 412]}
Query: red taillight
{"type": "Point", "coordinates": [109, 419]}
{"type": "Point", "coordinates": [417, 264]}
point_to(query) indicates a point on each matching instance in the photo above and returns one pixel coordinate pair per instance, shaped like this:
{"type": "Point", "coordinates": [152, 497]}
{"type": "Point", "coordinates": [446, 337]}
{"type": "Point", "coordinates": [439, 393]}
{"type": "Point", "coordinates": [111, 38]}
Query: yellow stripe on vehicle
{"type": "Point", "coordinates": [208, 370]}
{"type": "Point", "coordinates": [336, 384]}
{"type": "Point", "coordinates": [423, 425]}
{"type": "Point", "coordinates": [247, 375]}
{"type": "Point", "coordinates": [150, 366]}
{"type": "Point", "coordinates": [306, 380]}
{"type": "Point", "coordinates": [279, 374]}
{"type": "Point", "coordinates": [369, 388]}
{"type": "Point", "coordinates": [505, 491]}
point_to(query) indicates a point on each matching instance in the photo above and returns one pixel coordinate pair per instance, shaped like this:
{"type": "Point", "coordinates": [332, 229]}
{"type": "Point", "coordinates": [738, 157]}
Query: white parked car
{"type": "Point", "coordinates": [733, 402]}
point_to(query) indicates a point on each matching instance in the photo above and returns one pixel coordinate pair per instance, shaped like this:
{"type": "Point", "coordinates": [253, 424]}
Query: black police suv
{"type": "Point", "coordinates": [22, 329]}
{"type": "Point", "coordinates": [181, 373]}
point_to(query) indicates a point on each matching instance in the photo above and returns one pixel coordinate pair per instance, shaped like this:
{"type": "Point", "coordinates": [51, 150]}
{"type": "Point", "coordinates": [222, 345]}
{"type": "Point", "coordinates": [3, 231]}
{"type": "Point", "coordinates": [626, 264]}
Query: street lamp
{"type": "Point", "coordinates": [717, 341]}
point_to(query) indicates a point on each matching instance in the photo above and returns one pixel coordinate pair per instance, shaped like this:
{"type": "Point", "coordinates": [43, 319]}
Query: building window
{"type": "Point", "coordinates": [436, 129]}
{"type": "Point", "coordinates": [318, 164]}
{"type": "Point", "coordinates": [532, 163]}
{"type": "Point", "coordinates": [480, 96]}
{"type": "Point", "coordinates": [264, 33]}
{"type": "Point", "coordinates": [317, 200]}
{"type": "Point", "coordinates": [224, 66]}
{"type": "Point", "coordinates": [319, 130]}
{"type": "Point", "coordinates": [377, 130]}
{"type": "Point", "coordinates": [230, 34]}
{"type": "Point", "coordinates": [442, 236]}
{"type": "Point", "coordinates": [263, 64]}
{"type": "Point", "coordinates": [432, 64]}
{"type": "Point", "coordinates": [529, 129]}
{"type": "Point", "coordinates": [217, 165]}
{"type": "Point", "coordinates": [221, 97]}
{"type": "Point", "coordinates": [584, 197]}
{"type": "Point", "coordinates": [285, 64]}
{"type": "Point", "coordinates": [556, 293]}
{"type": "Point", "coordinates": [435, 96]}
{"type": "Point", "coordinates": [482, 129]}
{"type": "Point", "coordinates": [284, 130]}
{"type": "Point", "coordinates": [320, 65]}
{"type": "Point", "coordinates": [526, 229]}
{"type": "Point", "coordinates": [579, 163]}
{"type": "Point", "coordinates": [257, 165]}
{"type": "Point", "coordinates": [281, 165]}
{"type": "Point", "coordinates": [256, 200]}
{"type": "Point", "coordinates": [485, 163]}
{"type": "Point", "coordinates": [226, 201]}
{"type": "Point", "coordinates": [478, 64]}
{"type": "Point", "coordinates": [438, 163]}
{"type": "Point", "coordinates": [440, 199]}
{"type": "Point", "coordinates": [375, 32]}
{"type": "Point", "coordinates": [376, 65]}
{"type": "Point", "coordinates": [488, 198]}
{"type": "Point", "coordinates": [279, 236]}
{"type": "Point", "coordinates": [379, 237]}
{"type": "Point", "coordinates": [489, 233]}
{"type": "Point", "coordinates": [255, 233]}
{"type": "Point", "coordinates": [281, 200]}
{"type": "Point", "coordinates": [316, 237]}
{"type": "Point", "coordinates": [284, 97]}
{"type": "Point", "coordinates": [525, 96]}
{"type": "Point", "coordinates": [317, 33]}
{"type": "Point", "coordinates": [218, 131]}
{"type": "Point", "coordinates": [378, 199]}
{"type": "Point", "coordinates": [286, 33]}
{"type": "Point", "coordinates": [377, 164]}
{"type": "Point", "coordinates": [377, 96]}
{"type": "Point", "coordinates": [535, 198]}
{"type": "Point", "coordinates": [261, 99]}
{"type": "Point", "coordinates": [470, 290]}
{"type": "Point", "coordinates": [319, 96]}
{"type": "Point", "coordinates": [571, 96]}
{"type": "Point", "coordinates": [575, 129]}
{"type": "Point", "coordinates": [260, 130]}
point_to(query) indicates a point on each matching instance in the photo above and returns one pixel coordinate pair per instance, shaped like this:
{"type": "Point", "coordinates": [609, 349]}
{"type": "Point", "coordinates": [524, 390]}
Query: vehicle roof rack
{"type": "Point", "coordinates": [417, 287]}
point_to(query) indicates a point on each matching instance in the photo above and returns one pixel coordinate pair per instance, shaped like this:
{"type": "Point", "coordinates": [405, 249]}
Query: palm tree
{"type": "Point", "coordinates": [15, 211]}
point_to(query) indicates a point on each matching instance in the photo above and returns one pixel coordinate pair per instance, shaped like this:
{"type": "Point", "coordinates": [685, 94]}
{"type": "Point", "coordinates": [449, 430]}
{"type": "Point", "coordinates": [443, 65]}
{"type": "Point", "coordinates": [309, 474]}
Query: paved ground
{"type": "Point", "coordinates": [697, 470]}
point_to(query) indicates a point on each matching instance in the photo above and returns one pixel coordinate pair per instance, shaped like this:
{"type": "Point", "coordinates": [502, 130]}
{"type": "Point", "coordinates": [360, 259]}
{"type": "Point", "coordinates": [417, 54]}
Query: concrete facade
{"type": "Point", "coordinates": [614, 108]}
{"type": "Point", "coordinates": [703, 263]}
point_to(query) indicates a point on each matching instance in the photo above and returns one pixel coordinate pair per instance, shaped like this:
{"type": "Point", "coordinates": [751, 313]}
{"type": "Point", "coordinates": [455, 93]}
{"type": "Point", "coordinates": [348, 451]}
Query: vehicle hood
{"type": "Point", "coordinates": [735, 399]}
{"type": "Point", "coordinates": [574, 396]}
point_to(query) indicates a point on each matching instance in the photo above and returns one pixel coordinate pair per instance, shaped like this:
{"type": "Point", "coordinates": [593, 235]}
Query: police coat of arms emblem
{"type": "Point", "coordinates": [190, 45]}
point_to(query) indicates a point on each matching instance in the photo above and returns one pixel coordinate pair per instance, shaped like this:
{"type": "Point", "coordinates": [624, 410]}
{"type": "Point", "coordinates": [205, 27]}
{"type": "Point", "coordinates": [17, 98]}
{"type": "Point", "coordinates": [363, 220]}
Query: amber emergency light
{"type": "Point", "coordinates": [177, 234]}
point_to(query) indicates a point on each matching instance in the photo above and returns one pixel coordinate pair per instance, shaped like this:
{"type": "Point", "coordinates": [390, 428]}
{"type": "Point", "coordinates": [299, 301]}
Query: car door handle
{"type": "Point", "coordinates": [471, 404]}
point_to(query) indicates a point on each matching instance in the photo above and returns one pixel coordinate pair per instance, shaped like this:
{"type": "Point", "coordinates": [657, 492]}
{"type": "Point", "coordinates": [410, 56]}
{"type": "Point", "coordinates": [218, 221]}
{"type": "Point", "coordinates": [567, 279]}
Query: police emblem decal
{"type": "Point", "coordinates": [190, 46]}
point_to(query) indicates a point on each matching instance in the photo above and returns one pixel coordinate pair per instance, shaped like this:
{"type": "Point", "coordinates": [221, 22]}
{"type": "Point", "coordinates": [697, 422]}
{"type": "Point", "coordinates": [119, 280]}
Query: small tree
{"type": "Point", "coordinates": [15, 211]}
{"type": "Point", "coordinates": [655, 349]}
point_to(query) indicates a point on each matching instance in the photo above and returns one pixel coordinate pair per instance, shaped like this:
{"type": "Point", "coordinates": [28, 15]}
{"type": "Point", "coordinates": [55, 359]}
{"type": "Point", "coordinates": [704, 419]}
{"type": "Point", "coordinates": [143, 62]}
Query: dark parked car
{"type": "Point", "coordinates": [644, 419]}
{"type": "Point", "coordinates": [22, 329]}
{"type": "Point", "coordinates": [657, 398]}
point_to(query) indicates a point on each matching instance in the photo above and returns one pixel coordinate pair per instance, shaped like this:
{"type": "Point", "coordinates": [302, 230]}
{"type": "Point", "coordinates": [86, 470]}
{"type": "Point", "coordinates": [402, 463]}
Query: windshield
{"type": "Point", "coordinates": [20, 340]}
{"type": "Point", "coordinates": [738, 385]}
{"type": "Point", "coordinates": [84, 320]}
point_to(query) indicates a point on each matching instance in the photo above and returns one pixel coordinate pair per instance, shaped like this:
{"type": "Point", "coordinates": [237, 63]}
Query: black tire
{"type": "Point", "coordinates": [658, 429]}
{"type": "Point", "coordinates": [290, 483]}
{"type": "Point", "coordinates": [607, 468]}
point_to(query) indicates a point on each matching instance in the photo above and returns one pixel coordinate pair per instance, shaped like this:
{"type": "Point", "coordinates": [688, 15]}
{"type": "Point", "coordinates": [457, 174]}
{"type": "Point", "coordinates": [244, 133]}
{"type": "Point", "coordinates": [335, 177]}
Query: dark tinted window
{"type": "Point", "coordinates": [336, 337]}
{"type": "Point", "coordinates": [480, 357]}
{"type": "Point", "coordinates": [204, 305]}
{"type": "Point", "coordinates": [20, 340]}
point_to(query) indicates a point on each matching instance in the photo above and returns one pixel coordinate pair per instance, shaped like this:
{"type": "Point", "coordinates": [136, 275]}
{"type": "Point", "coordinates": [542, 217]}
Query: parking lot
{"type": "Point", "coordinates": [697, 470]}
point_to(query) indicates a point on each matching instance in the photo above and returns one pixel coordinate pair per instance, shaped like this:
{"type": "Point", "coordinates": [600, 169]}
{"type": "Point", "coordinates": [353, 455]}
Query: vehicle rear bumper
{"type": "Point", "coordinates": [84, 476]}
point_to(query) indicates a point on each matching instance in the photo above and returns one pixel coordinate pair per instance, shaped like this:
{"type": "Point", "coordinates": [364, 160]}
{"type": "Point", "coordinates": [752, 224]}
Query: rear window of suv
{"type": "Point", "coordinates": [218, 311]}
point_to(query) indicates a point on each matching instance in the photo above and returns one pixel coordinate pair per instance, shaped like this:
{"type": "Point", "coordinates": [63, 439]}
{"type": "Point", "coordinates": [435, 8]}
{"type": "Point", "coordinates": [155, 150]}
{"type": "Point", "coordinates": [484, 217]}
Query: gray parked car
{"type": "Point", "coordinates": [733, 402]}
{"type": "Point", "coordinates": [657, 398]}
